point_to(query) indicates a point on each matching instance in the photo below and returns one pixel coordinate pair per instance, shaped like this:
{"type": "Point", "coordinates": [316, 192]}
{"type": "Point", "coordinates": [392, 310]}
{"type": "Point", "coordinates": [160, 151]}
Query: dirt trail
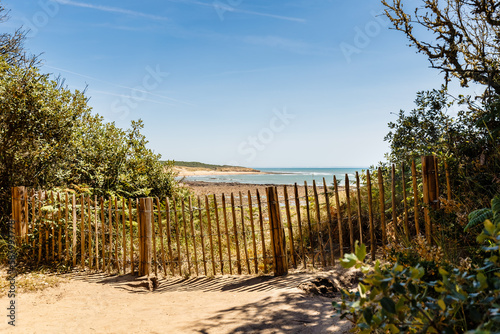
{"type": "Point", "coordinates": [97, 303]}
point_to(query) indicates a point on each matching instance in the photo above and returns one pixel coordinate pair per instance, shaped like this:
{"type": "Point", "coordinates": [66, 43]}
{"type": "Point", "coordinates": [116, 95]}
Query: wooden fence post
{"type": "Point", "coordinates": [18, 213]}
{"type": "Point", "coordinates": [429, 181]}
{"type": "Point", "coordinates": [277, 234]}
{"type": "Point", "coordinates": [145, 236]}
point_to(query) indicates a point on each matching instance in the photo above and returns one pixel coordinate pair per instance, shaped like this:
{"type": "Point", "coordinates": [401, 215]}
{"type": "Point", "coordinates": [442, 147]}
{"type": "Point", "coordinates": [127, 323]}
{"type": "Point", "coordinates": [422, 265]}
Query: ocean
{"type": "Point", "coordinates": [285, 176]}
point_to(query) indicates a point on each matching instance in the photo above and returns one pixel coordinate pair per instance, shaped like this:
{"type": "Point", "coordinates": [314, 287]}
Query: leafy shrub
{"type": "Point", "coordinates": [400, 298]}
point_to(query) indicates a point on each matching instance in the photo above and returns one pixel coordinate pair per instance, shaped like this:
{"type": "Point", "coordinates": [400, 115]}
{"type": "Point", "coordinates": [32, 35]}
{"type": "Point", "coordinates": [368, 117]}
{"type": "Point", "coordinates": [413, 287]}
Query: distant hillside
{"type": "Point", "coordinates": [224, 168]}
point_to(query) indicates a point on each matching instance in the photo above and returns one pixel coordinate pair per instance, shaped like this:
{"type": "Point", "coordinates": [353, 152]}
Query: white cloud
{"type": "Point", "coordinates": [234, 9]}
{"type": "Point", "coordinates": [115, 10]}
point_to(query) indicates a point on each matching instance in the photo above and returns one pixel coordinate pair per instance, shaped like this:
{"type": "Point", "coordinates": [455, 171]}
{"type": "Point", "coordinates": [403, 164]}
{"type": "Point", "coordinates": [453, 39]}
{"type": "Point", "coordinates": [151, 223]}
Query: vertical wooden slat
{"type": "Point", "coordinates": [96, 233]}
{"type": "Point", "coordinates": [193, 236]}
{"type": "Point", "coordinates": [290, 228]}
{"type": "Point", "coordinates": [405, 202]}
{"type": "Point", "coordinates": [26, 216]}
{"type": "Point", "coordinates": [124, 236]}
{"type": "Point", "coordinates": [59, 228]}
{"type": "Point", "coordinates": [448, 184]}
{"type": "Point", "coordinates": [34, 221]}
{"type": "Point", "coordinates": [236, 241]}
{"type": "Point", "coordinates": [110, 232]}
{"type": "Point", "coordinates": [370, 213]}
{"type": "Point", "coordinates": [360, 222]}
{"type": "Point", "coordinates": [89, 202]}
{"type": "Point", "coordinates": [117, 220]}
{"type": "Point", "coordinates": [186, 241]}
{"type": "Point", "coordinates": [20, 214]}
{"type": "Point", "coordinates": [261, 224]}
{"type": "Point", "coordinates": [40, 226]}
{"type": "Point", "coordinates": [252, 225]}
{"type": "Point", "coordinates": [177, 236]}
{"type": "Point", "coordinates": [244, 234]}
{"type": "Point", "coordinates": [318, 218]}
{"type": "Point", "coordinates": [73, 211]}
{"type": "Point", "coordinates": [103, 236]}
{"type": "Point", "coordinates": [426, 186]}
{"type": "Point", "coordinates": [82, 231]}
{"type": "Point", "coordinates": [15, 214]}
{"type": "Point", "coordinates": [52, 229]}
{"type": "Point", "coordinates": [202, 237]}
{"type": "Point", "coordinates": [415, 195]}
{"type": "Point", "coordinates": [308, 211]}
{"type": "Point", "coordinates": [393, 197]}
{"type": "Point", "coordinates": [381, 191]}
{"type": "Point", "coordinates": [160, 223]}
{"type": "Point", "coordinates": [224, 211]}
{"type": "Point", "coordinates": [145, 227]}
{"type": "Point", "coordinates": [66, 234]}
{"type": "Point", "coordinates": [153, 238]}
{"type": "Point", "coordinates": [47, 228]}
{"type": "Point", "coordinates": [96, 220]}
{"type": "Point", "coordinates": [277, 233]}
{"type": "Point", "coordinates": [216, 211]}
{"type": "Point", "coordinates": [349, 217]}
{"type": "Point", "coordinates": [299, 221]}
{"type": "Point", "coordinates": [132, 262]}
{"type": "Point", "coordinates": [339, 217]}
{"type": "Point", "coordinates": [436, 177]}
{"type": "Point", "coordinates": [169, 241]}
{"type": "Point", "coordinates": [27, 213]}
{"type": "Point", "coordinates": [209, 224]}
{"type": "Point", "coordinates": [140, 216]}
{"type": "Point", "coordinates": [330, 222]}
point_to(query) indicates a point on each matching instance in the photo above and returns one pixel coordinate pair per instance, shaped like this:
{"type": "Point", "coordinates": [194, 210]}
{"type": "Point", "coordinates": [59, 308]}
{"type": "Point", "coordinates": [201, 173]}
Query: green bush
{"type": "Point", "coordinates": [397, 298]}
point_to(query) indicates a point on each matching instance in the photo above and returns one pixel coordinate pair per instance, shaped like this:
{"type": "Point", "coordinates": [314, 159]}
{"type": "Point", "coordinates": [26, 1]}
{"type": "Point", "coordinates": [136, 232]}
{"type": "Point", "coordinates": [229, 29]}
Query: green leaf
{"type": "Point", "coordinates": [489, 227]}
{"type": "Point", "coordinates": [349, 260]}
{"type": "Point", "coordinates": [481, 278]}
{"type": "Point", "coordinates": [441, 304]}
{"type": "Point", "coordinates": [495, 205]}
{"type": "Point", "coordinates": [398, 288]}
{"type": "Point", "coordinates": [388, 305]}
{"type": "Point", "coordinates": [393, 329]}
{"type": "Point", "coordinates": [360, 251]}
{"type": "Point", "coordinates": [368, 314]}
{"type": "Point", "coordinates": [478, 216]}
{"type": "Point", "coordinates": [443, 272]}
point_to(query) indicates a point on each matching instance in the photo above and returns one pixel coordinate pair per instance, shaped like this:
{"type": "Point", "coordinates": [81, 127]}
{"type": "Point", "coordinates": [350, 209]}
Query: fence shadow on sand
{"type": "Point", "coordinates": [240, 283]}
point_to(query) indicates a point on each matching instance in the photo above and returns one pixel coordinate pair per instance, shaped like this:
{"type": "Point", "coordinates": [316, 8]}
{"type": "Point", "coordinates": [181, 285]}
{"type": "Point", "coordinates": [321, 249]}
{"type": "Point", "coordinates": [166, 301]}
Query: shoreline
{"type": "Point", "coordinates": [201, 188]}
{"type": "Point", "coordinates": [189, 171]}
{"type": "Point", "coordinates": [214, 172]}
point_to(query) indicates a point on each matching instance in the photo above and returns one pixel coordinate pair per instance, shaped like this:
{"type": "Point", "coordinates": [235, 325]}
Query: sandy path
{"type": "Point", "coordinates": [228, 304]}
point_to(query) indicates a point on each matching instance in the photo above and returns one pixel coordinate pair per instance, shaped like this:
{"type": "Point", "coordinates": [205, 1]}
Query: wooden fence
{"type": "Point", "coordinates": [247, 233]}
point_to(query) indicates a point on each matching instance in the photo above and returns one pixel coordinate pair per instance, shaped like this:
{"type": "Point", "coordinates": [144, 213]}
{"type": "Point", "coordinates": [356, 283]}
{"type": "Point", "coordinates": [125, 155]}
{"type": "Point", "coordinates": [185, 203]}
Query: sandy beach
{"type": "Point", "coordinates": [201, 188]}
{"type": "Point", "coordinates": [190, 171]}
{"type": "Point", "coordinates": [100, 303]}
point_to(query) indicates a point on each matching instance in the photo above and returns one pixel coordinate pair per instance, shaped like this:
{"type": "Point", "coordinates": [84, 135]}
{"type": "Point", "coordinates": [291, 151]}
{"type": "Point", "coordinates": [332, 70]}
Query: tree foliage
{"type": "Point", "coordinates": [463, 41]}
{"type": "Point", "coordinates": [468, 142]}
{"type": "Point", "coordinates": [49, 137]}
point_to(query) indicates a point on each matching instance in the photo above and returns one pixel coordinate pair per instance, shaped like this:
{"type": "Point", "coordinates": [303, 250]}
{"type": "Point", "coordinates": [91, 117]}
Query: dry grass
{"type": "Point", "coordinates": [29, 282]}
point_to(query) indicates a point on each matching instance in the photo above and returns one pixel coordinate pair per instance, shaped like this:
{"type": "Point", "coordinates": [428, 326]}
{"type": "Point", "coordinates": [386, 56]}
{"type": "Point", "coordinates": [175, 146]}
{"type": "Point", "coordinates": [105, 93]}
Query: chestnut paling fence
{"type": "Point", "coordinates": [244, 233]}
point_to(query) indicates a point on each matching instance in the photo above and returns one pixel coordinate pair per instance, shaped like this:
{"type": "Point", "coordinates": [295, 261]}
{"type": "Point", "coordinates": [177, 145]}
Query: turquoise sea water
{"type": "Point", "coordinates": [285, 176]}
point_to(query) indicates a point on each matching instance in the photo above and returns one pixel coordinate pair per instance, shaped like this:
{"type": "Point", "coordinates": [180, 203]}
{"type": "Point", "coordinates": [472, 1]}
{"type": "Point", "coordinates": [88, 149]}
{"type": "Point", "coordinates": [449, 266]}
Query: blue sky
{"type": "Point", "coordinates": [304, 83]}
